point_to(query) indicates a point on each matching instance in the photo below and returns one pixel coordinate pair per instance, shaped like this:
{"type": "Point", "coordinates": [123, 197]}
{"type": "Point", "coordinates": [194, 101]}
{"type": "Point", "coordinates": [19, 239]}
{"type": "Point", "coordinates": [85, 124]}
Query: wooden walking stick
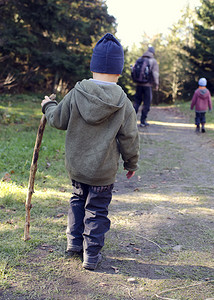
{"type": "Point", "coordinates": [33, 169]}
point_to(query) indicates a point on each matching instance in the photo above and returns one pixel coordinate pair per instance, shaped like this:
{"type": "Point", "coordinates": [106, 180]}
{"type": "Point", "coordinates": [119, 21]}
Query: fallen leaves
{"type": "Point", "coordinates": [153, 186]}
{"type": "Point", "coordinates": [132, 280]}
{"type": "Point", "coordinates": [136, 249]}
{"type": "Point", "coordinates": [103, 284]}
{"type": "Point", "coordinates": [136, 213]}
{"type": "Point", "coordinates": [7, 176]}
{"type": "Point", "coordinates": [10, 222]}
{"type": "Point", "coordinates": [60, 215]}
{"type": "Point", "coordinates": [116, 270]}
{"type": "Point", "coordinates": [46, 247]}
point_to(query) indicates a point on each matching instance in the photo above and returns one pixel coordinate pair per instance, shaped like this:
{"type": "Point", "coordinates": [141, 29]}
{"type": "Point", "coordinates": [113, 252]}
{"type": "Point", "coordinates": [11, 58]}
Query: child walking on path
{"type": "Point", "coordinates": [202, 101]}
{"type": "Point", "coordinates": [101, 125]}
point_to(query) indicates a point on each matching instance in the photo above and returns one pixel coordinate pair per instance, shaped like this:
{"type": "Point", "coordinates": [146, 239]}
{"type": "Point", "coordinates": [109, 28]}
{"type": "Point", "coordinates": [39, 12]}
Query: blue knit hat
{"type": "Point", "coordinates": [152, 49]}
{"type": "Point", "coordinates": [108, 56]}
{"type": "Point", "coordinates": [202, 82]}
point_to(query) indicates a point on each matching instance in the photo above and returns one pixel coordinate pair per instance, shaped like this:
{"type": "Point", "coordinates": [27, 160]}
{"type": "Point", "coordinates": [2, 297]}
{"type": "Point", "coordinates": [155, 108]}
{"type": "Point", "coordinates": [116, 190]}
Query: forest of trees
{"type": "Point", "coordinates": [46, 45]}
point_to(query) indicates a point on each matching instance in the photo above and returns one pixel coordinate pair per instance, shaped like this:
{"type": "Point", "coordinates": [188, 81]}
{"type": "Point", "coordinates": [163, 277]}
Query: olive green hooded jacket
{"type": "Point", "coordinates": [101, 124]}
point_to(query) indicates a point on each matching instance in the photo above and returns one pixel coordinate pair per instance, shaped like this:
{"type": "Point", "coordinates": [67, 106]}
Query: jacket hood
{"type": "Point", "coordinates": [202, 93]}
{"type": "Point", "coordinates": [148, 54]}
{"type": "Point", "coordinates": [96, 102]}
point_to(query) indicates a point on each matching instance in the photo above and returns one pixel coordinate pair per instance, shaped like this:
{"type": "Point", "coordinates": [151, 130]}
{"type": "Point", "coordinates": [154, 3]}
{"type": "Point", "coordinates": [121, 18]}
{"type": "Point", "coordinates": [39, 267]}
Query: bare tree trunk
{"type": "Point", "coordinates": [55, 83]}
{"type": "Point", "coordinates": [33, 170]}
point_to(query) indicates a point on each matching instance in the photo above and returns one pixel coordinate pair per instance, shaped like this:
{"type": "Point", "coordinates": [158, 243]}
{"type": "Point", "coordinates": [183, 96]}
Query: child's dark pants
{"type": "Point", "coordinates": [200, 118]}
{"type": "Point", "coordinates": [87, 219]}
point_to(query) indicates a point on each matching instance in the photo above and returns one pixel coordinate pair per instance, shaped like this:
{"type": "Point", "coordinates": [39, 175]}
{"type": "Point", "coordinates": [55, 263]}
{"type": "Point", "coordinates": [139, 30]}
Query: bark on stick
{"type": "Point", "coordinates": [33, 170]}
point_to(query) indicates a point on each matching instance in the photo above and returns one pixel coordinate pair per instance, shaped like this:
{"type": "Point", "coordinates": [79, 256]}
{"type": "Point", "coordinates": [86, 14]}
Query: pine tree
{"type": "Point", "coordinates": [182, 71]}
{"type": "Point", "coordinates": [202, 54]}
{"type": "Point", "coordinates": [47, 43]}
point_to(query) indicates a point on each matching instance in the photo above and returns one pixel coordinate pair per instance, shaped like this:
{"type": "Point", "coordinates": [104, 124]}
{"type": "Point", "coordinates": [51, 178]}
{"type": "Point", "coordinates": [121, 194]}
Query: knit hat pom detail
{"type": "Point", "coordinates": [109, 36]}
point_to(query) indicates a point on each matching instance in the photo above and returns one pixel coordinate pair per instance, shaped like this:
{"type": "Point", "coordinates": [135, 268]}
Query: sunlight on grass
{"type": "Point", "coordinates": [204, 211]}
{"type": "Point", "coordinates": [155, 197]}
{"type": "Point", "coordinates": [185, 125]}
{"type": "Point", "coordinates": [47, 194]}
{"type": "Point", "coordinates": [172, 124]}
{"type": "Point", "coordinates": [124, 207]}
{"type": "Point", "coordinates": [9, 192]}
{"type": "Point", "coordinates": [189, 254]}
{"type": "Point", "coordinates": [46, 203]}
{"type": "Point", "coordinates": [12, 194]}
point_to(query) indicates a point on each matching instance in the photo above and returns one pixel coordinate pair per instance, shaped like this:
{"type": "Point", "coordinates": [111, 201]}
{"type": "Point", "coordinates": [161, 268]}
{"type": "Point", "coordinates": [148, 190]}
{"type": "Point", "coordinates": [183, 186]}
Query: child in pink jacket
{"type": "Point", "coordinates": [202, 101]}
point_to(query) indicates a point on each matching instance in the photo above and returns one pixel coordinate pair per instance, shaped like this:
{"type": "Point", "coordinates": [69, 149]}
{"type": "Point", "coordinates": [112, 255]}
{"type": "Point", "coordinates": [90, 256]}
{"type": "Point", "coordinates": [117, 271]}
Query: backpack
{"type": "Point", "coordinates": [141, 72]}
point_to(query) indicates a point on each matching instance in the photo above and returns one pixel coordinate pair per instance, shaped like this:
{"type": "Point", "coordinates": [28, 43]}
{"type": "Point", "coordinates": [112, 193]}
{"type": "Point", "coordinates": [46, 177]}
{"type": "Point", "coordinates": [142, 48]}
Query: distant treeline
{"type": "Point", "coordinates": [46, 45]}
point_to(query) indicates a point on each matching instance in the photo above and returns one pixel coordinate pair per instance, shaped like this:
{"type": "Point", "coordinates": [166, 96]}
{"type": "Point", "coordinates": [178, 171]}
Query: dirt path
{"type": "Point", "coordinates": [174, 204]}
{"type": "Point", "coordinates": [161, 242]}
{"type": "Point", "coordinates": [181, 157]}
